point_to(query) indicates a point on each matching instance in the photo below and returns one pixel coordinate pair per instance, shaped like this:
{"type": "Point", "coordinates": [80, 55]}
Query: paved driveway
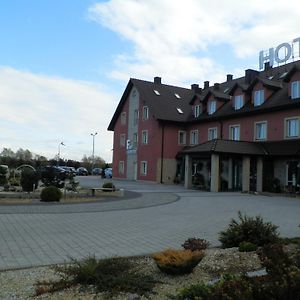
{"type": "Point", "coordinates": [32, 238]}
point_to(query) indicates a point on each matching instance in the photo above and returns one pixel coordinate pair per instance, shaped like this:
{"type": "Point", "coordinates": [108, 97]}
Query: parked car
{"type": "Point", "coordinates": [81, 171]}
{"type": "Point", "coordinates": [69, 170]}
{"type": "Point", "coordinates": [108, 172]}
{"type": "Point", "coordinates": [96, 171]}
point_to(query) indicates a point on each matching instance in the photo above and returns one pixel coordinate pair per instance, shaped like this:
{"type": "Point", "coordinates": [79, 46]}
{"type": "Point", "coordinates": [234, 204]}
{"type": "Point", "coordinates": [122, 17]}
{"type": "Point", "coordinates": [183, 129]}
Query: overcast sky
{"type": "Point", "coordinates": [64, 64]}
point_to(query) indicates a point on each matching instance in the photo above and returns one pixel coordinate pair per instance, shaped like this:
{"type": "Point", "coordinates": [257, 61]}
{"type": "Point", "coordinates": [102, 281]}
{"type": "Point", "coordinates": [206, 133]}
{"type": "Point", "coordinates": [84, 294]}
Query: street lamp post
{"type": "Point", "coordinates": [93, 157]}
{"type": "Point", "coordinates": [58, 156]}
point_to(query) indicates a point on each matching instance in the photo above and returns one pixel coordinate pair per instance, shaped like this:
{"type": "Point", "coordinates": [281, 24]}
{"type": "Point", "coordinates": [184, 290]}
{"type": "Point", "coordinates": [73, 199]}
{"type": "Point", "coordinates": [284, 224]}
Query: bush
{"type": "Point", "coordinates": [111, 276]}
{"type": "Point", "coordinates": [195, 244]}
{"type": "Point", "coordinates": [29, 180]}
{"type": "Point", "coordinates": [247, 247]}
{"type": "Point", "coordinates": [249, 229]}
{"type": "Point", "coordinates": [281, 282]}
{"type": "Point", "coordinates": [51, 194]}
{"type": "Point", "coordinates": [109, 186]}
{"type": "Point", "coordinates": [177, 262]}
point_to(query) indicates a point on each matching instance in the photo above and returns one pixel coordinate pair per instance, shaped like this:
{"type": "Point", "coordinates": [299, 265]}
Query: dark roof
{"type": "Point", "coordinates": [274, 148]}
{"type": "Point", "coordinates": [227, 146]}
{"type": "Point", "coordinates": [164, 106]}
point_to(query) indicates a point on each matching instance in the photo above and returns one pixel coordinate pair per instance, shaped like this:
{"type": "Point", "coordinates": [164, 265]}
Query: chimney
{"type": "Point", "coordinates": [157, 80]}
{"type": "Point", "coordinates": [194, 87]}
{"type": "Point", "coordinates": [250, 75]}
{"type": "Point", "coordinates": [229, 77]}
{"type": "Point", "coordinates": [206, 84]}
{"type": "Point", "coordinates": [216, 86]}
{"type": "Point", "coordinates": [267, 65]}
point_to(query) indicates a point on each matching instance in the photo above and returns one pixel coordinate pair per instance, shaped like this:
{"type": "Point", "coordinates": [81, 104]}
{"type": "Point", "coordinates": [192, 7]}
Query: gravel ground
{"type": "Point", "coordinates": [20, 284]}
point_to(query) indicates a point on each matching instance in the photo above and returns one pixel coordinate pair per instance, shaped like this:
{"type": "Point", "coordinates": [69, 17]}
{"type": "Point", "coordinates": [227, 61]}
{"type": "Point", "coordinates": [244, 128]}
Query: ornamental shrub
{"type": "Point", "coordinates": [177, 262]}
{"type": "Point", "coordinates": [51, 194]}
{"type": "Point", "coordinates": [109, 186]}
{"type": "Point", "coordinates": [195, 244]}
{"type": "Point", "coordinates": [29, 180]}
{"type": "Point", "coordinates": [247, 247]}
{"type": "Point", "coordinates": [248, 229]}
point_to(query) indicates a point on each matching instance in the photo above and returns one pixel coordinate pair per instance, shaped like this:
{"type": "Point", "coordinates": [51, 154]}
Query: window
{"type": "Point", "coordinates": [135, 116]}
{"type": "Point", "coordinates": [292, 127]}
{"type": "Point", "coordinates": [259, 97]}
{"type": "Point", "coordinates": [121, 167]}
{"type": "Point", "coordinates": [135, 140]}
{"type": "Point", "coordinates": [123, 118]}
{"type": "Point", "coordinates": [197, 110]}
{"type": "Point", "coordinates": [145, 113]}
{"type": "Point", "coordinates": [238, 102]}
{"type": "Point", "coordinates": [156, 92]}
{"type": "Point", "coordinates": [194, 137]}
{"type": "Point", "coordinates": [261, 130]}
{"type": "Point", "coordinates": [145, 137]}
{"type": "Point", "coordinates": [122, 140]}
{"type": "Point", "coordinates": [295, 93]}
{"type": "Point", "coordinates": [143, 168]}
{"type": "Point", "coordinates": [212, 133]}
{"type": "Point", "coordinates": [212, 106]}
{"type": "Point", "coordinates": [181, 137]}
{"type": "Point", "coordinates": [177, 96]}
{"type": "Point", "coordinates": [234, 132]}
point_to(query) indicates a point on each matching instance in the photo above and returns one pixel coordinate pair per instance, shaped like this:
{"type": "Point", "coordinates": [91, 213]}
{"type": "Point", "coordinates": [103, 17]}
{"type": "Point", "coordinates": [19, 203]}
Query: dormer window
{"type": "Point", "coordinates": [197, 110]}
{"type": "Point", "coordinates": [157, 93]}
{"type": "Point", "coordinates": [295, 89]}
{"type": "Point", "coordinates": [177, 96]}
{"type": "Point", "coordinates": [259, 98]}
{"type": "Point", "coordinates": [212, 107]}
{"type": "Point", "coordinates": [238, 102]}
{"type": "Point", "coordinates": [179, 110]}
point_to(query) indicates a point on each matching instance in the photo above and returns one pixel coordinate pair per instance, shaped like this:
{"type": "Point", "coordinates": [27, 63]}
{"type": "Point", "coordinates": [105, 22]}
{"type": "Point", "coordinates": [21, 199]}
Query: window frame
{"type": "Point", "coordinates": [212, 129]}
{"type": "Point", "coordinates": [123, 118]}
{"type": "Point", "coordinates": [256, 131]}
{"type": "Point", "coordinates": [261, 97]}
{"type": "Point", "coordinates": [145, 137]}
{"type": "Point", "coordinates": [295, 94]}
{"type": "Point", "coordinates": [122, 140]}
{"type": "Point", "coordinates": [145, 112]}
{"type": "Point", "coordinates": [197, 110]}
{"type": "Point", "coordinates": [286, 127]}
{"type": "Point", "coordinates": [194, 137]}
{"type": "Point", "coordinates": [144, 168]}
{"type": "Point", "coordinates": [183, 132]}
{"type": "Point", "coordinates": [210, 104]}
{"type": "Point", "coordinates": [241, 102]}
{"type": "Point", "coordinates": [231, 127]}
{"type": "Point", "coordinates": [121, 167]}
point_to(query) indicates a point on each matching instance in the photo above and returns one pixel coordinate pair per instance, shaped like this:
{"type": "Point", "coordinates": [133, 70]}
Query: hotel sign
{"type": "Point", "coordinates": [281, 54]}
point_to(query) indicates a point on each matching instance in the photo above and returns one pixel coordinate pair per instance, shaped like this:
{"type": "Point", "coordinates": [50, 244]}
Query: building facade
{"type": "Point", "coordinates": [241, 134]}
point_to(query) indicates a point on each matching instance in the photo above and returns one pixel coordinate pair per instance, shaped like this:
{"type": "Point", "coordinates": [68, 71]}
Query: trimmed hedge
{"type": "Point", "coordinates": [51, 194]}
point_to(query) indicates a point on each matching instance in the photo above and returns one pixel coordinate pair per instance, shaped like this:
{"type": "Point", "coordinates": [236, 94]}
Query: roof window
{"type": "Point", "coordinates": [283, 75]}
{"type": "Point", "coordinates": [156, 92]}
{"type": "Point", "coordinates": [177, 96]}
{"type": "Point", "coordinates": [226, 90]}
{"type": "Point", "coordinates": [179, 110]}
{"type": "Point", "coordinates": [271, 77]}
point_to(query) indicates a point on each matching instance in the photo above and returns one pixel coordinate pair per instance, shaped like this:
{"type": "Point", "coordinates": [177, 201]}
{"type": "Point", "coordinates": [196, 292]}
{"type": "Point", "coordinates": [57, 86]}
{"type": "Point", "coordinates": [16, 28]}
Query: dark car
{"type": "Point", "coordinates": [69, 170]}
{"type": "Point", "coordinates": [81, 171]}
{"type": "Point", "coordinates": [97, 171]}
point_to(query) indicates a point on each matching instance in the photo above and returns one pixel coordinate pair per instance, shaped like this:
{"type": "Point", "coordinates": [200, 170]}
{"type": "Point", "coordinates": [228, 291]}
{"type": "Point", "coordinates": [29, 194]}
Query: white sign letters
{"type": "Point", "coordinates": [281, 54]}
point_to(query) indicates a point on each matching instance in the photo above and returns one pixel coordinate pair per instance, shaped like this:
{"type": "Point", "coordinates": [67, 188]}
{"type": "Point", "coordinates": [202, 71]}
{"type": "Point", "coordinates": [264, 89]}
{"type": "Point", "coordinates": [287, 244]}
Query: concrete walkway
{"type": "Point", "coordinates": [160, 217]}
